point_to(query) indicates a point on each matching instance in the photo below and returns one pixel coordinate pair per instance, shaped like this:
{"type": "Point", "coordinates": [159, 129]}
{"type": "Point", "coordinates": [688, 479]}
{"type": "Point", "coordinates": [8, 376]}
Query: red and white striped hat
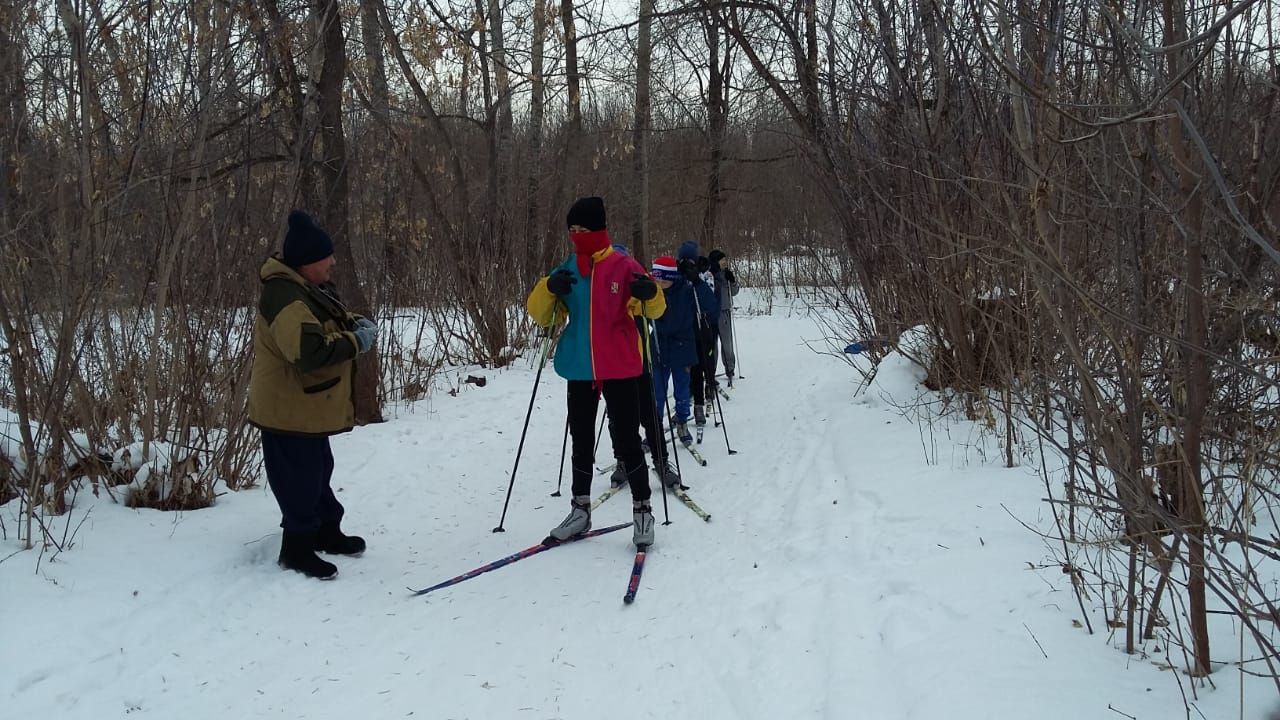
{"type": "Point", "coordinates": [664, 268]}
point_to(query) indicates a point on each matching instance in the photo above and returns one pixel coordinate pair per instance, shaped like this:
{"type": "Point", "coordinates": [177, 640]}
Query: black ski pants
{"type": "Point", "coordinates": [623, 400]}
{"type": "Point", "coordinates": [702, 375]}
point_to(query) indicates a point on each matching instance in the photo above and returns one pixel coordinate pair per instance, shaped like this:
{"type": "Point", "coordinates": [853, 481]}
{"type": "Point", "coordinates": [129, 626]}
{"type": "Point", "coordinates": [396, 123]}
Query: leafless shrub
{"type": "Point", "coordinates": [1072, 206]}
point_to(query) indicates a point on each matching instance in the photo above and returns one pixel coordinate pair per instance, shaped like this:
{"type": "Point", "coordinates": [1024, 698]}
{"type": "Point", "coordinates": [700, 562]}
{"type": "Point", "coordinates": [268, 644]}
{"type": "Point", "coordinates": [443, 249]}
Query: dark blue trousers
{"type": "Point", "coordinates": [299, 470]}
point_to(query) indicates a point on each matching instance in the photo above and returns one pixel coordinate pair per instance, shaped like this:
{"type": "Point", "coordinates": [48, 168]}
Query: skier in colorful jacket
{"type": "Point", "coordinates": [600, 292]}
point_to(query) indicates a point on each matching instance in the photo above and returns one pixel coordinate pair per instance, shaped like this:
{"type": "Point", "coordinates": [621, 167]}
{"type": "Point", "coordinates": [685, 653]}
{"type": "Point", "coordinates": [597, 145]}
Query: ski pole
{"type": "Point", "coordinates": [542, 363]}
{"type": "Point", "coordinates": [659, 455]}
{"type": "Point", "coordinates": [723, 425]}
{"type": "Point", "coordinates": [671, 423]}
{"type": "Point", "coordinates": [564, 444]}
{"type": "Point", "coordinates": [600, 430]}
{"type": "Point", "coordinates": [733, 335]}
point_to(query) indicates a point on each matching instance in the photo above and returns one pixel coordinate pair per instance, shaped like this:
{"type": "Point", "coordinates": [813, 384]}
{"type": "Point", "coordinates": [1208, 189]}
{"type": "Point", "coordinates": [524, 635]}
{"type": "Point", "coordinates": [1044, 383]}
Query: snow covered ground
{"type": "Point", "coordinates": [844, 575]}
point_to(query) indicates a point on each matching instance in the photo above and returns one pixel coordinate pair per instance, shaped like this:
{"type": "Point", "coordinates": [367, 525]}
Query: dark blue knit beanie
{"type": "Point", "coordinates": [305, 242]}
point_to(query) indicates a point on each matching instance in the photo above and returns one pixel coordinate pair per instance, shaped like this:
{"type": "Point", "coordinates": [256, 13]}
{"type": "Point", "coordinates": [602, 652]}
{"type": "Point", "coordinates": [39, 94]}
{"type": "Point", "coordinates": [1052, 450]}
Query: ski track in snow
{"type": "Point", "coordinates": [841, 577]}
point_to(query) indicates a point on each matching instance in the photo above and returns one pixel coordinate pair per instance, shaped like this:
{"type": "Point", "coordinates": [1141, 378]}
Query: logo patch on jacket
{"type": "Point", "coordinates": [613, 287]}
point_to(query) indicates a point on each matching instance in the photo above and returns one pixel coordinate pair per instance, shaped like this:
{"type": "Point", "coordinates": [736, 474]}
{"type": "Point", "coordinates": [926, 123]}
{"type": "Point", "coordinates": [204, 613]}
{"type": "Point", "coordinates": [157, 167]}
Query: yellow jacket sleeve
{"type": "Point", "coordinates": [542, 303]}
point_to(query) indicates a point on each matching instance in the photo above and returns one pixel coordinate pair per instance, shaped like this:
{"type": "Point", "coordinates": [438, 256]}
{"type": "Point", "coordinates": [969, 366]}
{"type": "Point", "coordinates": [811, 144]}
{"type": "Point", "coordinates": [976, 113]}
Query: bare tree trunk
{"type": "Point", "coordinates": [502, 85]}
{"type": "Point", "coordinates": [536, 237]}
{"type": "Point", "coordinates": [375, 147]}
{"type": "Point", "coordinates": [13, 108]}
{"type": "Point", "coordinates": [499, 119]}
{"type": "Point", "coordinates": [375, 57]}
{"type": "Point", "coordinates": [1196, 370]}
{"type": "Point", "coordinates": [572, 133]}
{"type": "Point", "coordinates": [488, 239]}
{"type": "Point", "coordinates": [717, 122]}
{"type": "Point", "coordinates": [640, 141]}
{"type": "Point", "coordinates": [333, 171]}
{"type": "Point", "coordinates": [574, 77]}
{"type": "Point", "coordinates": [464, 87]}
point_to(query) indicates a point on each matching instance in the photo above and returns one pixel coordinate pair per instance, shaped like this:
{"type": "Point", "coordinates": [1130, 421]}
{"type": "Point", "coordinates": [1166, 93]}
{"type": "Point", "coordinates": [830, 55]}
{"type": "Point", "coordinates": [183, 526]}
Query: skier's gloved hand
{"type": "Point", "coordinates": [365, 336]}
{"type": "Point", "coordinates": [643, 287]}
{"type": "Point", "coordinates": [561, 282]}
{"type": "Point", "coordinates": [729, 277]}
{"type": "Point", "coordinates": [362, 321]}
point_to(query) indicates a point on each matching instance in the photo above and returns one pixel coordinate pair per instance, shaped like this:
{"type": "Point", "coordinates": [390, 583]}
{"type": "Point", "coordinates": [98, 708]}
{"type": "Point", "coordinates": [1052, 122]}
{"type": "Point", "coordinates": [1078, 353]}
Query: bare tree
{"type": "Point", "coordinates": [536, 239]}
{"type": "Point", "coordinates": [640, 135]}
{"type": "Point", "coordinates": [718, 76]}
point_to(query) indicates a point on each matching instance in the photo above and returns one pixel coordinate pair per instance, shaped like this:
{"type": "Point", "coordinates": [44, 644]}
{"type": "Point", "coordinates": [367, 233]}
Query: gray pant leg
{"type": "Point", "coordinates": [726, 341]}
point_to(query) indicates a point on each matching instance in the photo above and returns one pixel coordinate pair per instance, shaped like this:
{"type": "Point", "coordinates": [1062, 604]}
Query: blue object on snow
{"type": "Point", "coordinates": [862, 346]}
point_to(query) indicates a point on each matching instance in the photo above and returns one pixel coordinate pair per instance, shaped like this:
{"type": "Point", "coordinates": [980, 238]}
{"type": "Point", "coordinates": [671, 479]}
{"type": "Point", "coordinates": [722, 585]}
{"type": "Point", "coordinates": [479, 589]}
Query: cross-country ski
{"type": "Point", "coordinates": [530, 551]}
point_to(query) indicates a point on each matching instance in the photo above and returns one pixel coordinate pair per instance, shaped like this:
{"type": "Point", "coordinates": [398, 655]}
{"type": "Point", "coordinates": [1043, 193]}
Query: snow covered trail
{"type": "Point", "coordinates": [843, 576]}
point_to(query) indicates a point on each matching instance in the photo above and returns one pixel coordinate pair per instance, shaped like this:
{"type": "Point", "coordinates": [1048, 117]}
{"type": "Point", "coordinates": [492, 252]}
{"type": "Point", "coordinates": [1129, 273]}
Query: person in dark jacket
{"type": "Point", "coordinates": [726, 287]}
{"type": "Point", "coordinates": [301, 391]}
{"type": "Point", "coordinates": [702, 372]}
{"type": "Point", "coordinates": [675, 345]}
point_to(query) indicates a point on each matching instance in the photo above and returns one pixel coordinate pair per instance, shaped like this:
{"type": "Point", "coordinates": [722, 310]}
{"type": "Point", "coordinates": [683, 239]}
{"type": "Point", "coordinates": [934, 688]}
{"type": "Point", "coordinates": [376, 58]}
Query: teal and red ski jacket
{"type": "Point", "coordinates": [601, 341]}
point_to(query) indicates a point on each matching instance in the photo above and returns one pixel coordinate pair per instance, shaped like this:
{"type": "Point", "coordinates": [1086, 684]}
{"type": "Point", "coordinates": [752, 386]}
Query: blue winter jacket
{"type": "Point", "coordinates": [674, 341]}
{"type": "Point", "coordinates": [707, 302]}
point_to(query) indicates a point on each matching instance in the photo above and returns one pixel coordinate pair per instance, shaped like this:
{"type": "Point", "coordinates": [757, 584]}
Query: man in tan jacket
{"type": "Point", "coordinates": [300, 392]}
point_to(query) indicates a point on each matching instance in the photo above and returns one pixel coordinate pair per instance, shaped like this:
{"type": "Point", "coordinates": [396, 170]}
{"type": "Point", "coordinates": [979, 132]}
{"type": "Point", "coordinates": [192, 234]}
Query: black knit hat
{"type": "Point", "coordinates": [305, 242]}
{"type": "Point", "coordinates": [587, 212]}
{"type": "Point", "coordinates": [716, 256]}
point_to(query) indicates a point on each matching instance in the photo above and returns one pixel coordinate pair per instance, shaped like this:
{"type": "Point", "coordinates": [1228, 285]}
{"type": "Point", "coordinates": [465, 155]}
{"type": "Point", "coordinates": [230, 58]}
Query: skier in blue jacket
{"type": "Point", "coordinates": [675, 343]}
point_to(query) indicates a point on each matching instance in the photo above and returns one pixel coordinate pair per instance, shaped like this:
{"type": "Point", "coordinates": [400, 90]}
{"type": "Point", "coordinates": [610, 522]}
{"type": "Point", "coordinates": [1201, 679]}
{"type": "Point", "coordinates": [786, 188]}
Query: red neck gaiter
{"type": "Point", "coordinates": [586, 244]}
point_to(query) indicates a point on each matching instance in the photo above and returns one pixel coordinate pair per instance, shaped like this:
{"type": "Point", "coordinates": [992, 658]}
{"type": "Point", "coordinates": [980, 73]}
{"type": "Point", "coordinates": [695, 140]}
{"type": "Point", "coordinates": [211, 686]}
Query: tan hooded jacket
{"type": "Point", "coordinates": [303, 378]}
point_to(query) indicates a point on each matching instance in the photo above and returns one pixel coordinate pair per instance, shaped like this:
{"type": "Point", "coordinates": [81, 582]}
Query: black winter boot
{"type": "Point", "coordinates": [331, 540]}
{"type": "Point", "coordinates": [297, 552]}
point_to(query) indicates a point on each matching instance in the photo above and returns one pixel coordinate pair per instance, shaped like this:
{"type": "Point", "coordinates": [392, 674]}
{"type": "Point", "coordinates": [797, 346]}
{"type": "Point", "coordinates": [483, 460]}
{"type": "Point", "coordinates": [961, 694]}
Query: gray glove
{"type": "Point", "coordinates": [366, 333]}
